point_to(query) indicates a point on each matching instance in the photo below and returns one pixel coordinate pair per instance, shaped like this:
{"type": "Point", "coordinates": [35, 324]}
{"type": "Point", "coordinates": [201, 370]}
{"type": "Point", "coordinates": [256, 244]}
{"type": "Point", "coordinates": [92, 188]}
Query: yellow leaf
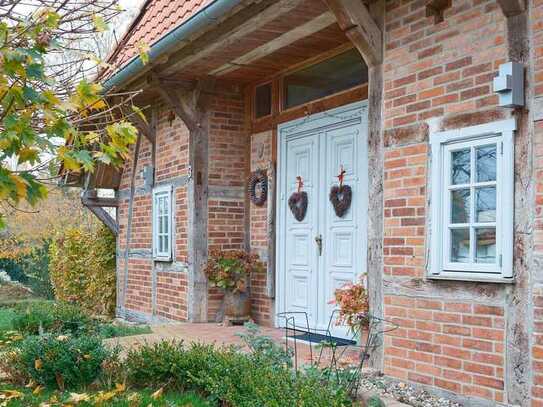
{"type": "Point", "coordinates": [11, 394]}
{"type": "Point", "coordinates": [157, 394]}
{"type": "Point", "coordinates": [37, 390]}
{"type": "Point", "coordinates": [20, 185]}
{"type": "Point", "coordinates": [78, 397]}
{"type": "Point", "coordinates": [28, 154]}
{"type": "Point", "coordinates": [87, 357]}
{"type": "Point", "coordinates": [120, 387]}
{"type": "Point", "coordinates": [38, 364]}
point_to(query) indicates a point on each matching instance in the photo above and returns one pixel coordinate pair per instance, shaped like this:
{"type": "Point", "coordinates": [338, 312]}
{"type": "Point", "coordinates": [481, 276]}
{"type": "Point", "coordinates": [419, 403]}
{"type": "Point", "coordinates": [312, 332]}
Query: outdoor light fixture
{"type": "Point", "coordinates": [509, 85]}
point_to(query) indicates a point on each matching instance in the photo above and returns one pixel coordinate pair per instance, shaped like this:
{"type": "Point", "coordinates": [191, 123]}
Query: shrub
{"type": "Point", "coordinates": [61, 361]}
{"type": "Point", "coordinates": [55, 317]}
{"type": "Point", "coordinates": [35, 268]}
{"type": "Point", "coordinates": [228, 375]}
{"type": "Point", "coordinates": [82, 268]}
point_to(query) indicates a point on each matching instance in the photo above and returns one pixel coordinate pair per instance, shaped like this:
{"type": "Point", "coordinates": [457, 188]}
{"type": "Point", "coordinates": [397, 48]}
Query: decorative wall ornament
{"type": "Point", "coordinates": [298, 201]}
{"type": "Point", "coordinates": [341, 196]}
{"type": "Point", "coordinates": [258, 187]}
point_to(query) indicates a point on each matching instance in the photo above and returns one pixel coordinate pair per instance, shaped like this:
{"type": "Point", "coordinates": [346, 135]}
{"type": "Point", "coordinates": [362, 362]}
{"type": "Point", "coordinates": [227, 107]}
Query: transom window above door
{"type": "Point", "coordinates": [472, 202]}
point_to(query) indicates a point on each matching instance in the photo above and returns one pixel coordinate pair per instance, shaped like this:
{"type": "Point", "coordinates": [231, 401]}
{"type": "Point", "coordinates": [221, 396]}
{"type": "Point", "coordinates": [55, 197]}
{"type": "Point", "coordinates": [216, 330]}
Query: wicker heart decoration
{"type": "Point", "coordinates": [341, 197]}
{"type": "Point", "coordinates": [298, 205]}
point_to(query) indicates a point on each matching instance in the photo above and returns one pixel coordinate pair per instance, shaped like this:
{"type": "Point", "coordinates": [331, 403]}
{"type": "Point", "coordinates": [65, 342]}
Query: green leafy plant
{"type": "Point", "coordinates": [230, 270]}
{"type": "Point", "coordinates": [45, 97]}
{"type": "Point", "coordinates": [229, 376]}
{"type": "Point", "coordinates": [264, 347]}
{"type": "Point", "coordinates": [51, 317]}
{"type": "Point", "coordinates": [61, 361]}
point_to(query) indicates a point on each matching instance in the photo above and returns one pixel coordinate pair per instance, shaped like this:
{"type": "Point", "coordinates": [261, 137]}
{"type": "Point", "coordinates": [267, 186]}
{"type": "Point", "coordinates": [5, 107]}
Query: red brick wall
{"type": "Point", "coordinates": [433, 73]}
{"type": "Point", "coordinates": [263, 307]}
{"type": "Point", "coordinates": [458, 346]}
{"type": "Point", "coordinates": [171, 162]}
{"type": "Point", "coordinates": [228, 156]}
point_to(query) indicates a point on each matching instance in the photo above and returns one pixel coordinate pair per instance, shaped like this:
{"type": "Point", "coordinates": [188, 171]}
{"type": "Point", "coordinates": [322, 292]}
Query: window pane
{"type": "Point", "coordinates": [460, 206]}
{"type": "Point", "coordinates": [486, 163]}
{"type": "Point", "coordinates": [485, 204]}
{"type": "Point", "coordinates": [460, 245]}
{"type": "Point", "coordinates": [460, 163]}
{"type": "Point", "coordinates": [485, 245]}
{"type": "Point", "coordinates": [263, 95]}
{"type": "Point", "coordinates": [161, 244]}
{"type": "Point", "coordinates": [325, 78]}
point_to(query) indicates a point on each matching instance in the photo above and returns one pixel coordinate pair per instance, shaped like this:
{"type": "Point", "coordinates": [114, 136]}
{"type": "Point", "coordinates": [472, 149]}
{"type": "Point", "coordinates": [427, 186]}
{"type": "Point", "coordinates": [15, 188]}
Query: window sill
{"type": "Point", "coordinates": [163, 259]}
{"type": "Point", "coordinates": [477, 279]}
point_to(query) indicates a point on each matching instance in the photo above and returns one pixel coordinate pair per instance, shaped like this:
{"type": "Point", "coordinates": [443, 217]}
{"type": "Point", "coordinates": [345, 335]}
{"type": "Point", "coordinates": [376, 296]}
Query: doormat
{"type": "Point", "coordinates": [319, 338]}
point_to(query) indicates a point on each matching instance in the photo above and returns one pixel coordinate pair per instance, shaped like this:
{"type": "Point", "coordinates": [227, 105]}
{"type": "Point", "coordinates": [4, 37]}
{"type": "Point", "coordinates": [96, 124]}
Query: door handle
{"type": "Point", "coordinates": [318, 240]}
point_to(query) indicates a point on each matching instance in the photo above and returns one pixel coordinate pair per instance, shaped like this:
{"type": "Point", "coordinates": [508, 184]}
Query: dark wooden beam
{"type": "Point", "coordinates": [512, 8]}
{"type": "Point", "coordinates": [192, 107]}
{"type": "Point", "coordinates": [229, 32]}
{"type": "Point", "coordinates": [100, 201]}
{"type": "Point", "coordinates": [105, 218]}
{"type": "Point", "coordinates": [436, 8]}
{"type": "Point", "coordinates": [317, 24]}
{"type": "Point", "coordinates": [359, 26]}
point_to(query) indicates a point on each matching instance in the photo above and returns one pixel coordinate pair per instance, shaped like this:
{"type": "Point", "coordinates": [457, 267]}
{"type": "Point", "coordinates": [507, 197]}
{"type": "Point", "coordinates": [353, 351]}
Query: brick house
{"type": "Point", "coordinates": [446, 216]}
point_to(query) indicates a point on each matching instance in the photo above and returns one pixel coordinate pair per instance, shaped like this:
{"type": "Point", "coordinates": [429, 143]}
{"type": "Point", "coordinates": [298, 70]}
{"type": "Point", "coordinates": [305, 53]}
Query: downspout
{"type": "Point", "coordinates": [208, 15]}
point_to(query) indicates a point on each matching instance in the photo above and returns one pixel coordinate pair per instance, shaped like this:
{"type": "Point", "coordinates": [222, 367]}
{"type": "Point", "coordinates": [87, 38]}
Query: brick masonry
{"type": "Point", "coordinates": [452, 336]}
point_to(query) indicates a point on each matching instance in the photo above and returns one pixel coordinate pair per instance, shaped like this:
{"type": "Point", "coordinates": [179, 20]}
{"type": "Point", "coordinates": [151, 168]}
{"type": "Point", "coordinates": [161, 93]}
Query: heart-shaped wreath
{"type": "Point", "coordinates": [340, 197]}
{"type": "Point", "coordinates": [298, 205]}
{"type": "Point", "coordinates": [258, 187]}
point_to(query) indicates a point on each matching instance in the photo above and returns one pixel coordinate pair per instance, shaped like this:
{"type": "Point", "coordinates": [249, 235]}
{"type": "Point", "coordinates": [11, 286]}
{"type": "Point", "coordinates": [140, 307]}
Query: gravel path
{"type": "Point", "coordinates": [403, 393]}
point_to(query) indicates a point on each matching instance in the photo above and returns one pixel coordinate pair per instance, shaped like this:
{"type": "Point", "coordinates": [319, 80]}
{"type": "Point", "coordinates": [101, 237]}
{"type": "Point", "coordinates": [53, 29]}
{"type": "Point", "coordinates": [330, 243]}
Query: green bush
{"type": "Point", "coordinates": [82, 268]}
{"type": "Point", "coordinates": [35, 269]}
{"type": "Point", "coordinates": [62, 361]}
{"type": "Point", "coordinates": [228, 375]}
{"type": "Point", "coordinates": [54, 317]}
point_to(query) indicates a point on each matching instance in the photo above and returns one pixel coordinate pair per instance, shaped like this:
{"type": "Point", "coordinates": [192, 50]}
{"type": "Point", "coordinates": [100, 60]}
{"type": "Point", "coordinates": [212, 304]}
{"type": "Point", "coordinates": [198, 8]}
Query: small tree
{"type": "Point", "coordinates": [51, 114]}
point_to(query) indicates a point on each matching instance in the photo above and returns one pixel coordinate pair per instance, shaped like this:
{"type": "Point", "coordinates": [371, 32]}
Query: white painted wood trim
{"type": "Point", "coordinates": [168, 191]}
{"type": "Point", "coordinates": [293, 129]}
{"type": "Point", "coordinates": [504, 132]}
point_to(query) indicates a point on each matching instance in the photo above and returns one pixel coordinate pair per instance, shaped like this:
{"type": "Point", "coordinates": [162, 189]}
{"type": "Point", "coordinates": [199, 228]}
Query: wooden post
{"type": "Point", "coordinates": [363, 27]}
{"type": "Point", "coordinates": [191, 106]}
{"type": "Point", "coordinates": [518, 301]}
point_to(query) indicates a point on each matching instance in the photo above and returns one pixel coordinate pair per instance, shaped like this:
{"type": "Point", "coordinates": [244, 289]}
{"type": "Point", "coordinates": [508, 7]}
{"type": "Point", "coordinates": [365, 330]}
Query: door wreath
{"type": "Point", "coordinates": [298, 201]}
{"type": "Point", "coordinates": [258, 187]}
{"type": "Point", "coordinates": [341, 196]}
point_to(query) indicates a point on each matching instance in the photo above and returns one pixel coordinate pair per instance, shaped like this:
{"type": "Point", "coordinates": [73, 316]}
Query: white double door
{"type": "Point", "coordinates": [322, 252]}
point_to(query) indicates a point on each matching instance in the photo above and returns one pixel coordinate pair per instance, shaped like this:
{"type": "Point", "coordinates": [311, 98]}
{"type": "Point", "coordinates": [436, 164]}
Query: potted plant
{"type": "Point", "coordinates": [230, 271]}
{"type": "Point", "coordinates": [352, 301]}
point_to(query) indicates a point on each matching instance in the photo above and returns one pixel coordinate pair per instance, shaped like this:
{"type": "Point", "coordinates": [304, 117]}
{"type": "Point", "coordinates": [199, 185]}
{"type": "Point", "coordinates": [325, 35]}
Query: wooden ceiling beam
{"type": "Point", "coordinates": [229, 33]}
{"type": "Point", "coordinates": [358, 25]}
{"type": "Point", "coordinates": [305, 30]}
{"type": "Point", "coordinates": [512, 8]}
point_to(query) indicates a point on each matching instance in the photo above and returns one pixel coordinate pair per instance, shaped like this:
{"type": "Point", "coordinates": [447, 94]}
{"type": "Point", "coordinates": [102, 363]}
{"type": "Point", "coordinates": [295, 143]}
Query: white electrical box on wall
{"type": "Point", "coordinates": [509, 85]}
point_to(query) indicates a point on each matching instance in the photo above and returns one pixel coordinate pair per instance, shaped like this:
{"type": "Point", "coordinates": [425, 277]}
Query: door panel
{"type": "Point", "coordinates": [300, 257]}
{"type": "Point", "coordinates": [316, 149]}
{"type": "Point", "coordinates": [345, 247]}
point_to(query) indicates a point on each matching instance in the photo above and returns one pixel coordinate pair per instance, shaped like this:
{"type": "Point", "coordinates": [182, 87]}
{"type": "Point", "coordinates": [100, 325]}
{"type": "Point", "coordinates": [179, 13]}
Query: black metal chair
{"type": "Point", "coordinates": [363, 342]}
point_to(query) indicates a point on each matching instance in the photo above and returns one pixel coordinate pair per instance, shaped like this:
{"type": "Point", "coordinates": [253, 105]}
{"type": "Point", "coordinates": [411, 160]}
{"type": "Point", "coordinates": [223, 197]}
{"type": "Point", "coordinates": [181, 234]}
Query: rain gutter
{"type": "Point", "coordinates": [208, 15]}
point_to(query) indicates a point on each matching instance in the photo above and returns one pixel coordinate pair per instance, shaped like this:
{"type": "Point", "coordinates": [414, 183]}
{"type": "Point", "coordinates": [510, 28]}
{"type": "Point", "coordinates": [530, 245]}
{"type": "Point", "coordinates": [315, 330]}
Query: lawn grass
{"type": "Point", "coordinates": [116, 331]}
{"type": "Point", "coordinates": [6, 318]}
{"type": "Point", "coordinates": [127, 398]}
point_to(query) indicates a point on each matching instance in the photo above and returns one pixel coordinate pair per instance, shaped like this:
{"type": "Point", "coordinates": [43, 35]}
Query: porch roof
{"type": "Point", "coordinates": [249, 41]}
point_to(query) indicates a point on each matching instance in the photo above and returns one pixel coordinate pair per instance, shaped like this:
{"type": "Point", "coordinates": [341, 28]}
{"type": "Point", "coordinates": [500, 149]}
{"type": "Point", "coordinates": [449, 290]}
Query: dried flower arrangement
{"type": "Point", "coordinates": [352, 301]}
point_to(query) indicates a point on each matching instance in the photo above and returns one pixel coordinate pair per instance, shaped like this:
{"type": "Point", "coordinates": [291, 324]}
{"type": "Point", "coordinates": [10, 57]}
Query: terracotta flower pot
{"type": "Point", "coordinates": [237, 307]}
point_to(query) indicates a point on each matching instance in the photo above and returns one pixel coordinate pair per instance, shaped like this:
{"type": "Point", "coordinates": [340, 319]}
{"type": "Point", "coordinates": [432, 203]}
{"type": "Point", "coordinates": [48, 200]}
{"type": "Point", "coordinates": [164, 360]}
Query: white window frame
{"type": "Point", "coordinates": [162, 192]}
{"type": "Point", "coordinates": [442, 143]}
